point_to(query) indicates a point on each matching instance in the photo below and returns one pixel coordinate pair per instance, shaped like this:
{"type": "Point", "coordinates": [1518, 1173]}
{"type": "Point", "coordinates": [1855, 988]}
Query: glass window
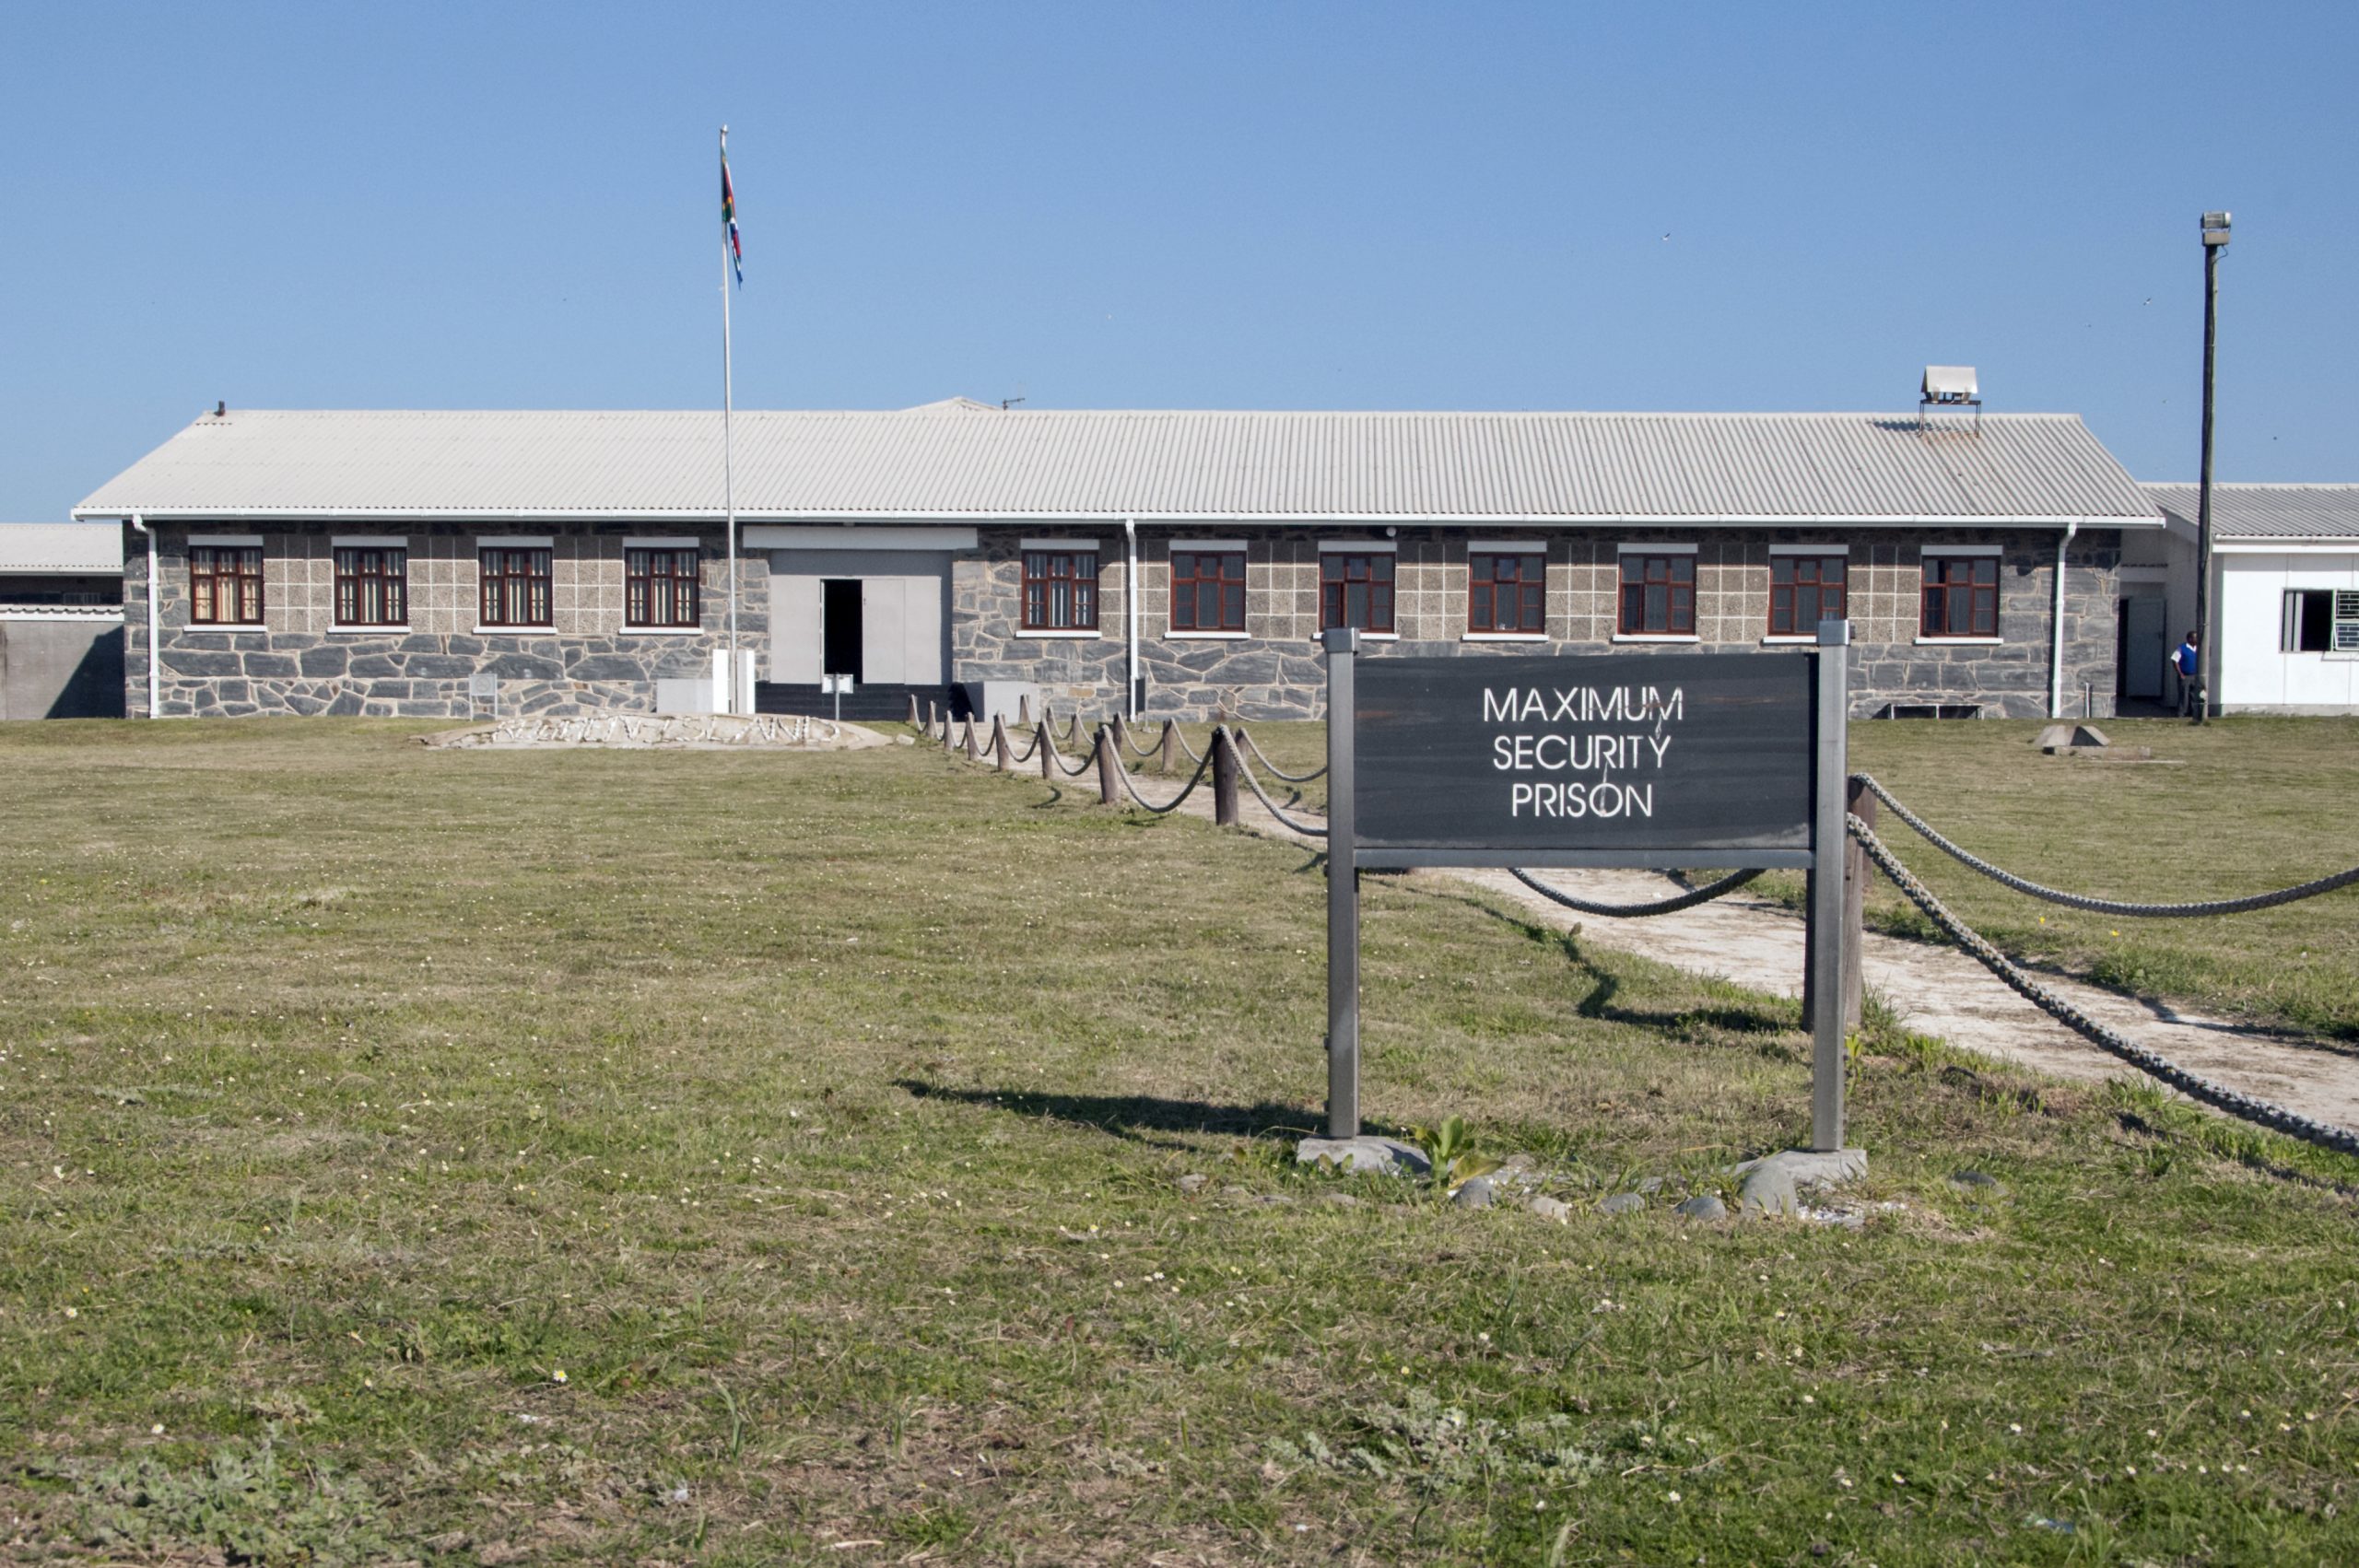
{"type": "Point", "coordinates": [372, 586]}
{"type": "Point", "coordinates": [515, 587]}
{"type": "Point", "coordinates": [1356, 591]}
{"type": "Point", "coordinates": [1658, 596]}
{"type": "Point", "coordinates": [1207, 591]}
{"type": "Point", "coordinates": [224, 585]}
{"type": "Point", "coordinates": [1804, 590]}
{"type": "Point", "coordinates": [1961, 596]}
{"type": "Point", "coordinates": [1061, 591]}
{"type": "Point", "coordinates": [660, 587]}
{"type": "Point", "coordinates": [1507, 593]}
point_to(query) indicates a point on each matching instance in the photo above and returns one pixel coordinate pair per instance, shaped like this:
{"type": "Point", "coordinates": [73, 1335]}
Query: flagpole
{"type": "Point", "coordinates": [728, 464]}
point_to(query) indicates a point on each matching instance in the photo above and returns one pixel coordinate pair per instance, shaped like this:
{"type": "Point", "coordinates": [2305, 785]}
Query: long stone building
{"type": "Point", "coordinates": [433, 563]}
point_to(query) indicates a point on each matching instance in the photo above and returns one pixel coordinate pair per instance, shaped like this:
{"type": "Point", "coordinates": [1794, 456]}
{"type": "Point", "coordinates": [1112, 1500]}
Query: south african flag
{"type": "Point", "coordinates": [729, 218]}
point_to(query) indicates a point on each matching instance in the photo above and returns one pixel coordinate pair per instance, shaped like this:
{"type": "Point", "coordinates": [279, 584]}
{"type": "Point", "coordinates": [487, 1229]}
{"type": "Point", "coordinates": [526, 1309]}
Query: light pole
{"type": "Point", "coordinates": [2216, 240]}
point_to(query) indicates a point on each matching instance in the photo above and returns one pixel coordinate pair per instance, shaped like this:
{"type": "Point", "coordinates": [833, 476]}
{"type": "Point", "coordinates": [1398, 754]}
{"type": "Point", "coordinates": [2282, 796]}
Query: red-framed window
{"type": "Point", "coordinates": [1960, 597]}
{"type": "Point", "coordinates": [1804, 590]}
{"type": "Point", "coordinates": [1061, 591]}
{"type": "Point", "coordinates": [1207, 591]}
{"type": "Point", "coordinates": [372, 586]}
{"type": "Point", "coordinates": [1356, 589]}
{"type": "Point", "coordinates": [516, 586]}
{"type": "Point", "coordinates": [660, 587]}
{"type": "Point", "coordinates": [1507, 592]}
{"type": "Point", "coordinates": [1658, 594]}
{"type": "Point", "coordinates": [224, 585]}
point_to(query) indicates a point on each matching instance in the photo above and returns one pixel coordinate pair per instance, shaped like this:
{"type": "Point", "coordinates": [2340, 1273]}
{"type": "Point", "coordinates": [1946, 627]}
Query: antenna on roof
{"type": "Point", "coordinates": [220, 407]}
{"type": "Point", "coordinates": [1007, 402]}
{"type": "Point", "coordinates": [1950, 386]}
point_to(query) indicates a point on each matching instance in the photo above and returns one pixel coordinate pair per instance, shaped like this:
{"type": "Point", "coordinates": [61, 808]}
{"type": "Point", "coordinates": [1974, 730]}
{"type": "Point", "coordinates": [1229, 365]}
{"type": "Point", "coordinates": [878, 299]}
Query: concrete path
{"type": "Point", "coordinates": [1939, 989]}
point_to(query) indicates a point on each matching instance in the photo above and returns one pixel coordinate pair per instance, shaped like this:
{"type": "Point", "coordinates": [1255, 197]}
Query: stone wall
{"type": "Point", "coordinates": [1274, 670]}
{"type": "Point", "coordinates": [299, 663]}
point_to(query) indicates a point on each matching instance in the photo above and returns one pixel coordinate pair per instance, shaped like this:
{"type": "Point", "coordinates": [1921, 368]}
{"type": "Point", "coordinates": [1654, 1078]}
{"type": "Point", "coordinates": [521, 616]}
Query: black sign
{"type": "Point", "coordinates": [1670, 751]}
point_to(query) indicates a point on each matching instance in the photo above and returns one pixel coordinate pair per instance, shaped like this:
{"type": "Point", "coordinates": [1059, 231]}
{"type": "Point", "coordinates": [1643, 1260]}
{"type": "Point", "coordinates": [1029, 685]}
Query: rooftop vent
{"type": "Point", "coordinates": [1949, 387]}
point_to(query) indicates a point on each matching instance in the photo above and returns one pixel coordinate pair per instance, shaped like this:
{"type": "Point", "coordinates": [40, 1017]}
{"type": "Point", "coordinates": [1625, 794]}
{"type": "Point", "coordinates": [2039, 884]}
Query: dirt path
{"type": "Point", "coordinates": [1939, 990]}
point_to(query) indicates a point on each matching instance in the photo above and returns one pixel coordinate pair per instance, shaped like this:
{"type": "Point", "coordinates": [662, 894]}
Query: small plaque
{"type": "Point", "coordinates": [483, 683]}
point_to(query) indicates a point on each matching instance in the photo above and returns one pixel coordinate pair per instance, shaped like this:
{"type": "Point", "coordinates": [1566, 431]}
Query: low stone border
{"type": "Point", "coordinates": [699, 732]}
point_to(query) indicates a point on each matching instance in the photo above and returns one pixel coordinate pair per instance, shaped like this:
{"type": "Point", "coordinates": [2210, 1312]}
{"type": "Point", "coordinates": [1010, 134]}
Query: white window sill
{"type": "Point", "coordinates": [368, 631]}
{"type": "Point", "coordinates": [1177, 636]}
{"type": "Point", "coordinates": [1656, 637]}
{"type": "Point", "coordinates": [1504, 636]}
{"type": "Point", "coordinates": [1960, 641]}
{"type": "Point", "coordinates": [1790, 640]}
{"type": "Point", "coordinates": [1071, 636]}
{"type": "Point", "coordinates": [660, 631]}
{"type": "Point", "coordinates": [1379, 637]}
{"type": "Point", "coordinates": [512, 631]}
{"type": "Point", "coordinates": [225, 626]}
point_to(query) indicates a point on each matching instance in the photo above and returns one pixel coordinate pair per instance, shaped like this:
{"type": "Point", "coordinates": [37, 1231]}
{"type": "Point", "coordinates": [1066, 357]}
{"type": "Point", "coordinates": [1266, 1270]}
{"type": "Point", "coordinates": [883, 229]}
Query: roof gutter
{"type": "Point", "coordinates": [1109, 519]}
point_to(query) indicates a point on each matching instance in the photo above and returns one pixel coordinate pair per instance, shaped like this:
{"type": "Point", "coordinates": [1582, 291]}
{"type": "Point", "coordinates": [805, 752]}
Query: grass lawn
{"type": "Point", "coordinates": [715, 1158]}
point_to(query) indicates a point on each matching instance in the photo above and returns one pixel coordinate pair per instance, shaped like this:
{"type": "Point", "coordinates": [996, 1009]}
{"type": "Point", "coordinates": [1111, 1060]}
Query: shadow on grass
{"type": "Point", "coordinates": [1764, 1018]}
{"type": "Point", "coordinates": [1135, 1116]}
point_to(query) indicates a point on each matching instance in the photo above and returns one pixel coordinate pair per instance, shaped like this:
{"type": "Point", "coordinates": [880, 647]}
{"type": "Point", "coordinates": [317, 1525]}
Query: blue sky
{"type": "Point", "coordinates": [1470, 205]}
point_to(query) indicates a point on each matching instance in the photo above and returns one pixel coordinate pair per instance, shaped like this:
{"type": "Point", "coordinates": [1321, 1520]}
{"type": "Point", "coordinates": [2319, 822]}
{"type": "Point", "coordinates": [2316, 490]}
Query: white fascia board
{"type": "Point", "coordinates": [2253, 545]}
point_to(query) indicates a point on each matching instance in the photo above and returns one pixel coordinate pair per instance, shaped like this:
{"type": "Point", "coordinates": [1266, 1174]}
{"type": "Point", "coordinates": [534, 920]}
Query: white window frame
{"type": "Point", "coordinates": [368, 542]}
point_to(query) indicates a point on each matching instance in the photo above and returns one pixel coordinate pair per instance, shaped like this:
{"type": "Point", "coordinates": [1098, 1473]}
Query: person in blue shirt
{"type": "Point", "coordinates": [2187, 662]}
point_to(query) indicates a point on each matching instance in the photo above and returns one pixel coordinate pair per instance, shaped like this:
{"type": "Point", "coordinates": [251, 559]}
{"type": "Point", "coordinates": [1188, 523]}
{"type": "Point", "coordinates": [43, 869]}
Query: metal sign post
{"type": "Point", "coordinates": [841, 686]}
{"type": "Point", "coordinates": [1671, 761]}
{"type": "Point", "coordinates": [1829, 796]}
{"type": "Point", "coordinates": [1343, 891]}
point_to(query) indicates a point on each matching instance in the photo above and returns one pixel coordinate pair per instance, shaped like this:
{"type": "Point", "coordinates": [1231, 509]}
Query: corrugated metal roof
{"type": "Point", "coordinates": [61, 547]}
{"type": "Point", "coordinates": [963, 464]}
{"type": "Point", "coordinates": [2267, 511]}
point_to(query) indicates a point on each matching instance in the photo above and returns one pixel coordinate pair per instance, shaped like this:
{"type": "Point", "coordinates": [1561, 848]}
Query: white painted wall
{"type": "Point", "coordinates": [2254, 670]}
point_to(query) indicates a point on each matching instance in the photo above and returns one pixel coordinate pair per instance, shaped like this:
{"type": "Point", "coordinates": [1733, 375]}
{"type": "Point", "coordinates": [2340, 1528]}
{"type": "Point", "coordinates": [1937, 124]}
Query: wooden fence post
{"type": "Point", "coordinates": [1168, 762]}
{"type": "Point", "coordinates": [973, 749]}
{"type": "Point", "coordinates": [929, 715]}
{"type": "Point", "coordinates": [1044, 746]}
{"type": "Point", "coordinates": [1122, 735]}
{"type": "Point", "coordinates": [1862, 802]}
{"type": "Point", "coordinates": [1223, 777]}
{"type": "Point", "coordinates": [1109, 789]}
{"type": "Point", "coordinates": [1023, 709]}
{"type": "Point", "coordinates": [913, 710]}
{"type": "Point", "coordinates": [1000, 757]}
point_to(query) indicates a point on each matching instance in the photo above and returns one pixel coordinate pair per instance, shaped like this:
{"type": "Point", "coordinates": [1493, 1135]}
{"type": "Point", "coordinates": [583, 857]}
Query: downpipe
{"type": "Point", "coordinates": [154, 620]}
{"type": "Point", "coordinates": [1131, 604]}
{"type": "Point", "coordinates": [2056, 618]}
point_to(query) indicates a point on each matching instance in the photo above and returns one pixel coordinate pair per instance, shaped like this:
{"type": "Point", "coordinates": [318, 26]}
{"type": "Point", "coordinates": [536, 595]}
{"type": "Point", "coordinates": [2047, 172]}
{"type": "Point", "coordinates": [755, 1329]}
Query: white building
{"type": "Point", "coordinates": [2285, 592]}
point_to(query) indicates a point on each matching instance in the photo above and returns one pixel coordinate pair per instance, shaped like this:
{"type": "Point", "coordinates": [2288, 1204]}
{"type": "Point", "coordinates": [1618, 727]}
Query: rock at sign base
{"type": "Point", "coordinates": [1193, 1182]}
{"type": "Point", "coordinates": [1811, 1167]}
{"type": "Point", "coordinates": [1622, 1203]}
{"type": "Point", "coordinates": [1473, 1193]}
{"type": "Point", "coordinates": [1385, 1156]}
{"type": "Point", "coordinates": [1708, 1207]}
{"type": "Point", "coordinates": [1768, 1188]}
{"type": "Point", "coordinates": [1554, 1209]}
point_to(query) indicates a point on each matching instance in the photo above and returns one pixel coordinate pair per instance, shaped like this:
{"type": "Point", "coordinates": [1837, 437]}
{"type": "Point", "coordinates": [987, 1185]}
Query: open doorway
{"type": "Point", "coordinates": [839, 624]}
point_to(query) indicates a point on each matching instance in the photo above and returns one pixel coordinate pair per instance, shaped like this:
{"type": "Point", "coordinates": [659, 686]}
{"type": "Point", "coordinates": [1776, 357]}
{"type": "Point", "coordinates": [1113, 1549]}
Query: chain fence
{"type": "Point", "coordinates": [2248, 1108]}
{"type": "Point", "coordinates": [2104, 906]}
{"type": "Point", "coordinates": [1672, 906]}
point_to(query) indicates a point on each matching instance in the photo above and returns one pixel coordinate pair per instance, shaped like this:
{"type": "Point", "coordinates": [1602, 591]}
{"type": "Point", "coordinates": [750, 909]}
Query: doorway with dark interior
{"type": "Point", "coordinates": [839, 628]}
